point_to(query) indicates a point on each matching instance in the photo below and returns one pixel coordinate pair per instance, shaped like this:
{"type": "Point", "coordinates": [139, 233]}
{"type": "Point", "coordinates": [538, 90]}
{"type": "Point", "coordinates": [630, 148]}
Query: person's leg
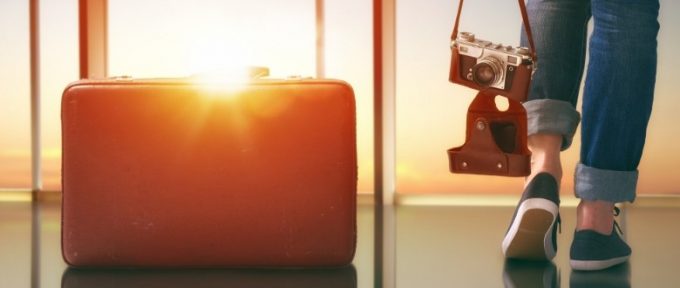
{"type": "Point", "coordinates": [617, 103]}
{"type": "Point", "coordinates": [559, 29]}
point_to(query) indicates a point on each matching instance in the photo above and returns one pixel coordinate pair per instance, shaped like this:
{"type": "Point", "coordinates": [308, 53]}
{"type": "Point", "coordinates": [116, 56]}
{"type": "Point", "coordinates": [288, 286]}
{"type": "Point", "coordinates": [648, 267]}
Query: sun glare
{"type": "Point", "coordinates": [222, 84]}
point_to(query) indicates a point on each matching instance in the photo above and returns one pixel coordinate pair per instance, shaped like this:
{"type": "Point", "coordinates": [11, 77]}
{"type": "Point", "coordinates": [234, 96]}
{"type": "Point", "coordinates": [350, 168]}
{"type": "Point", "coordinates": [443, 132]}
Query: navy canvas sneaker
{"type": "Point", "coordinates": [594, 251]}
{"type": "Point", "coordinates": [533, 230]}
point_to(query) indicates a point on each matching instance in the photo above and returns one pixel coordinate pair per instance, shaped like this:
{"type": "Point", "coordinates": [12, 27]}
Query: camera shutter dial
{"type": "Point", "coordinates": [467, 36]}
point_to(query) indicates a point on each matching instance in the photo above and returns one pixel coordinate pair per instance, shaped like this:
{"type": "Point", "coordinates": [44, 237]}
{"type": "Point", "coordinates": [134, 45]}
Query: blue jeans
{"type": "Point", "coordinates": [619, 86]}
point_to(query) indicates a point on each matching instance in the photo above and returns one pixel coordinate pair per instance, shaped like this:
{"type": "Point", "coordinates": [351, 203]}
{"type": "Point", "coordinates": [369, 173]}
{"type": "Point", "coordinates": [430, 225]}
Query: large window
{"type": "Point", "coordinates": [431, 112]}
{"type": "Point", "coordinates": [176, 39]}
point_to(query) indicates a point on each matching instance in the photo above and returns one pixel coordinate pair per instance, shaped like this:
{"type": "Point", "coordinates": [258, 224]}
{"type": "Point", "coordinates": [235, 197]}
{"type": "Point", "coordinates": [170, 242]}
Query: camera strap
{"type": "Point", "coordinates": [525, 20]}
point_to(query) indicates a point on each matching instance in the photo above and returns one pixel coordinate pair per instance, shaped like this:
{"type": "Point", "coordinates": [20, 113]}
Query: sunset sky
{"type": "Point", "coordinates": [155, 38]}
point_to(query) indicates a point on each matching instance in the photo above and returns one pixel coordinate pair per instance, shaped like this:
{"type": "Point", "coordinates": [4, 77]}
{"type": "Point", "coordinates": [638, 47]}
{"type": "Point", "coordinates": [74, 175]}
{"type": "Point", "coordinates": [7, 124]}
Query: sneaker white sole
{"type": "Point", "coordinates": [590, 265]}
{"type": "Point", "coordinates": [530, 234]}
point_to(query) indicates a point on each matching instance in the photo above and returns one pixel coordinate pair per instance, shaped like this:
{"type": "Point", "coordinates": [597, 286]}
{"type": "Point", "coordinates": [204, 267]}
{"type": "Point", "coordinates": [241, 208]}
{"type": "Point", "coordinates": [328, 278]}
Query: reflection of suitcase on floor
{"type": "Point", "coordinates": [341, 277]}
{"type": "Point", "coordinates": [171, 173]}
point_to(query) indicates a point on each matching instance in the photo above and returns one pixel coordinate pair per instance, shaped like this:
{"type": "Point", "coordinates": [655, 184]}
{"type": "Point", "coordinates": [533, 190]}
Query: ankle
{"type": "Point", "coordinates": [549, 164]}
{"type": "Point", "coordinates": [541, 163]}
{"type": "Point", "coordinates": [548, 143]}
{"type": "Point", "coordinates": [595, 215]}
{"type": "Point", "coordinates": [545, 155]}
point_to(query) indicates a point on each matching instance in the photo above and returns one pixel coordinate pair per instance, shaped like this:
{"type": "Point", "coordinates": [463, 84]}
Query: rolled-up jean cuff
{"type": "Point", "coordinates": [550, 116]}
{"type": "Point", "coordinates": [608, 185]}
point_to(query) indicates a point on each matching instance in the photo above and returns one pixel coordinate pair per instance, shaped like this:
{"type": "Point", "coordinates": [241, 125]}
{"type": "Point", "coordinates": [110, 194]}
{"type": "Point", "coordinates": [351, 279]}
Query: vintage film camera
{"type": "Point", "coordinates": [496, 141]}
{"type": "Point", "coordinates": [483, 65]}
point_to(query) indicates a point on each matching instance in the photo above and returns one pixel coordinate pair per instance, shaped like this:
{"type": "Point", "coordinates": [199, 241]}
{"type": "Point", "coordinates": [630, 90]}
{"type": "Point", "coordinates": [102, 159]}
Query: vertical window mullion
{"type": "Point", "coordinates": [320, 39]}
{"type": "Point", "coordinates": [384, 78]}
{"type": "Point", "coordinates": [36, 155]}
{"type": "Point", "coordinates": [93, 21]}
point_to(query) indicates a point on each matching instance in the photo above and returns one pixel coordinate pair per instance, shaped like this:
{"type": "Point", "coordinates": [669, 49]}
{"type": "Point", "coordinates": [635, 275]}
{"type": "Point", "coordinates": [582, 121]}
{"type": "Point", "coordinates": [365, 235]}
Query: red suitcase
{"type": "Point", "coordinates": [171, 173]}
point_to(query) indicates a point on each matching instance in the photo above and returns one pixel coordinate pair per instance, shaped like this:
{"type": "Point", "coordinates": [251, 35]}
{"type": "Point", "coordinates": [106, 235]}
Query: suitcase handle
{"type": "Point", "coordinates": [257, 72]}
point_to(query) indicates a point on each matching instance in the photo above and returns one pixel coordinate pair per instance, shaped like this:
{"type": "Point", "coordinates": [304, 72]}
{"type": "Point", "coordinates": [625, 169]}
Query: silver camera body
{"type": "Point", "coordinates": [495, 65]}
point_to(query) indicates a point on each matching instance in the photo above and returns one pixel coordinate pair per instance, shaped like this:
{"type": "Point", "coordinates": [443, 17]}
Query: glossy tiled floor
{"type": "Point", "coordinates": [420, 246]}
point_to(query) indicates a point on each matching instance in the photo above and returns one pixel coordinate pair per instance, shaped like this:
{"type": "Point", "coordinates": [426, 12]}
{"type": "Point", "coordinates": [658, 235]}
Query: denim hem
{"type": "Point", "coordinates": [608, 185]}
{"type": "Point", "coordinates": [550, 116]}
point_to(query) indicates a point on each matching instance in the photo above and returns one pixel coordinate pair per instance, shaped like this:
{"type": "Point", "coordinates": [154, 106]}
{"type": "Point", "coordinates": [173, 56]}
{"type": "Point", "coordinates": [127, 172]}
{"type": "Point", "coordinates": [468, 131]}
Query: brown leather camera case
{"type": "Point", "coordinates": [496, 141]}
{"type": "Point", "coordinates": [168, 173]}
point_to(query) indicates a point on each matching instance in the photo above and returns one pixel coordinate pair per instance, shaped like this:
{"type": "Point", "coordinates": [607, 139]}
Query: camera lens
{"type": "Point", "coordinates": [487, 72]}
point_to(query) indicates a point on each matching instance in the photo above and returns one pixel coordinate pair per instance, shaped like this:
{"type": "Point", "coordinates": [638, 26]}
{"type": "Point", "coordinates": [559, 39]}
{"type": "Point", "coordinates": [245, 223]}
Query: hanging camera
{"type": "Point", "coordinates": [491, 65]}
{"type": "Point", "coordinates": [496, 141]}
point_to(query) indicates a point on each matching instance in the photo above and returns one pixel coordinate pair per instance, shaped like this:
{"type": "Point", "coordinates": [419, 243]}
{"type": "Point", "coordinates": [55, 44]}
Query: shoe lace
{"type": "Point", "coordinates": [617, 211]}
{"type": "Point", "coordinates": [559, 223]}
